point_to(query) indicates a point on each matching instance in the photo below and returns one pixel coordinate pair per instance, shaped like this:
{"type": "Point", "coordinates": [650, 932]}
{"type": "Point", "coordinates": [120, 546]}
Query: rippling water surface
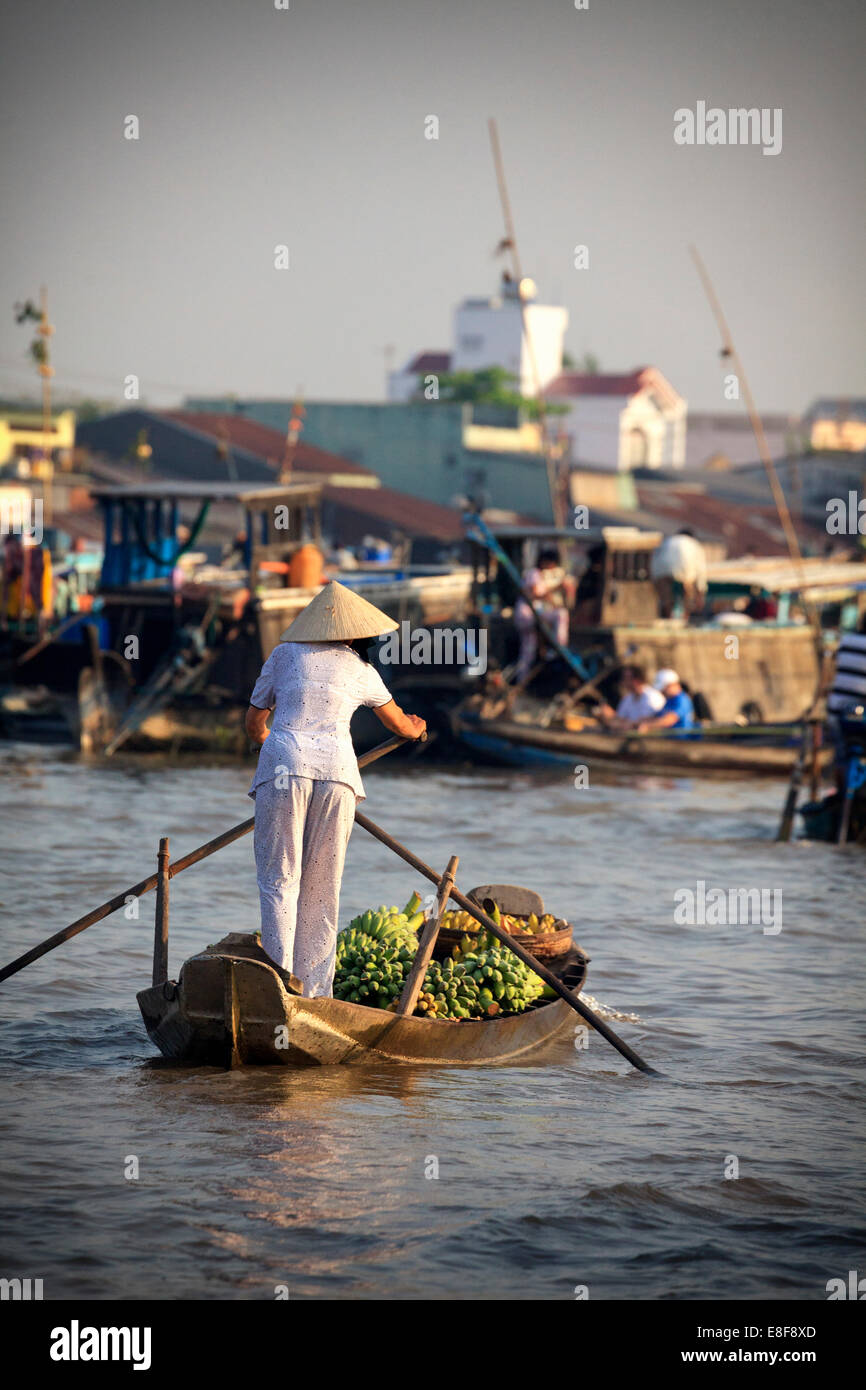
{"type": "Point", "coordinates": [574, 1170]}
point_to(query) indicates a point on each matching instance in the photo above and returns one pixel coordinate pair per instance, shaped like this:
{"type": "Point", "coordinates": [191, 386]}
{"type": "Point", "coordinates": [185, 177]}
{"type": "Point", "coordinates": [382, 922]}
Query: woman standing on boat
{"type": "Point", "coordinates": [307, 784]}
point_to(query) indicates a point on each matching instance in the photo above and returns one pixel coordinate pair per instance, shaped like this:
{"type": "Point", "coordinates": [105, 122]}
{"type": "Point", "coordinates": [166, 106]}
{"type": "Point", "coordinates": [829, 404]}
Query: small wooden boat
{"type": "Point", "coordinates": [769, 751]}
{"type": "Point", "coordinates": [230, 1006]}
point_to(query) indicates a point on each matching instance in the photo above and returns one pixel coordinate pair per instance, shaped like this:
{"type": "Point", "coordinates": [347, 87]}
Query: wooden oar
{"type": "Point", "coordinates": [480, 916]}
{"type": "Point", "coordinates": [137, 890]}
{"type": "Point", "coordinates": [49, 638]}
{"type": "Point", "coordinates": [786, 824]}
{"type": "Point", "coordinates": [855, 778]}
{"type": "Point", "coordinates": [426, 942]}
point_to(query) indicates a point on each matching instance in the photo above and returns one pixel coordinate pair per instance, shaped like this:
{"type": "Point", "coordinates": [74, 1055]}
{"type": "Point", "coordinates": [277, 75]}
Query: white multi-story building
{"type": "Point", "coordinates": [490, 333]}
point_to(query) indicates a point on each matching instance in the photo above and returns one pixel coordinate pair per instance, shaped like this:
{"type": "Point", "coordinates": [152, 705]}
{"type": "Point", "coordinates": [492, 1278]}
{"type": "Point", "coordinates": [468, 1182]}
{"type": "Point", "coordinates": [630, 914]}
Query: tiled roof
{"type": "Point", "coordinates": [596, 384]}
{"type": "Point", "coordinates": [570, 384]}
{"type": "Point", "coordinates": [398, 509]}
{"type": "Point", "coordinates": [745, 530]}
{"type": "Point", "coordinates": [263, 441]}
{"type": "Point", "coordinates": [430, 362]}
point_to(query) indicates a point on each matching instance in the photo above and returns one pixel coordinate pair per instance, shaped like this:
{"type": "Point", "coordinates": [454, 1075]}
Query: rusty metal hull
{"type": "Point", "coordinates": [229, 1009]}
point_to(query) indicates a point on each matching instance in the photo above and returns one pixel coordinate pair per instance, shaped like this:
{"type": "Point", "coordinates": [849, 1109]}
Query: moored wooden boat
{"type": "Point", "coordinates": [732, 750]}
{"type": "Point", "coordinates": [229, 1006]}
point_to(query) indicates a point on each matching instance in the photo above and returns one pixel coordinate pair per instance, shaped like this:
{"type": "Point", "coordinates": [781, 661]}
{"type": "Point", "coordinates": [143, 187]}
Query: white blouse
{"type": "Point", "coordinates": [314, 689]}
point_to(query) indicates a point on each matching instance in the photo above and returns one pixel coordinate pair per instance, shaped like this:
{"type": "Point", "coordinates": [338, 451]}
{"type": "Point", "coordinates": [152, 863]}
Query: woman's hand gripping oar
{"type": "Point", "coordinates": [485, 921]}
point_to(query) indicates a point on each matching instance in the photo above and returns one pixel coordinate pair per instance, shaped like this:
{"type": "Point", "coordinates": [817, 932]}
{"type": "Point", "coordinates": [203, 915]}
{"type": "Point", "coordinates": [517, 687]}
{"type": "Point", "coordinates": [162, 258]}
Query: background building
{"type": "Point", "coordinates": [837, 424]}
{"type": "Point", "coordinates": [622, 420]}
{"type": "Point", "coordinates": [490, 333]}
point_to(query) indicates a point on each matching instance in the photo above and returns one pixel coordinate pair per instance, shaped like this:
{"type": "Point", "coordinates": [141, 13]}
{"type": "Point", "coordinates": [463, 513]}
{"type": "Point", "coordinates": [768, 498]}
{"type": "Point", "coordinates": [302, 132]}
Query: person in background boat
{"type": "Point", "coordinates": [639, 701]}
{"type": "Point", "coordinates": [761, 607]}
{"type": "Point", "coordinates": [849, 679]}
{"type": "Point", "coordinates": [846, 693]}
{"type": "Point", "coordinates": [680, 559]}
{"type": "Point", "coordinates": [678, 712]}
{"type": "Point", "coordinates": [27, 581]}
{"type": "Point", "coordinates": [590, 587]}
{"type": "Point", "coordinates": [551, 589]}
{"type": "Point", "coordinates": [307, 784]}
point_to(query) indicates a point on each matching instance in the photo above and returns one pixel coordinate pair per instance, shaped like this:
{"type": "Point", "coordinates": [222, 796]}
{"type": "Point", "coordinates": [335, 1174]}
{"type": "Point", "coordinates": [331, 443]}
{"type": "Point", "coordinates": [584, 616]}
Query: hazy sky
{"type": "Point", "coordinates": [306, 127]}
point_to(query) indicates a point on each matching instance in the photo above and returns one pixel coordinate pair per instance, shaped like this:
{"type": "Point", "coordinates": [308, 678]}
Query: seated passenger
{"type": "Point", "coordinates": [678, 712]}
{"type": "Point", "coordinates": [640, 701]}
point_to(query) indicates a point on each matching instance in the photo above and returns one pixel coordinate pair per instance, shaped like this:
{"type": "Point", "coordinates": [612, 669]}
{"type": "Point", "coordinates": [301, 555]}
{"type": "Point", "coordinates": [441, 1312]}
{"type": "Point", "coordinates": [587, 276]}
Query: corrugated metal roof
{"type": "Point", "coordinates": [266, 443]}
{"type": "Point", "coordinates": [745, 530]}
{"type": "Point", "coordinates": [397, 509]}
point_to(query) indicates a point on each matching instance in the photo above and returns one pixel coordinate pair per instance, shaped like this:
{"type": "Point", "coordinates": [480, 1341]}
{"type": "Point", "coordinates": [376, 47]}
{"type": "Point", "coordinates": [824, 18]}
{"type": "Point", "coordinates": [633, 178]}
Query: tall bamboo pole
{"type": "Point", "coordinates": [46, 371]}
{"type": "Point", "coordinates": [729, 350]}
{"type": "Point", "coordinates": [511, 239]}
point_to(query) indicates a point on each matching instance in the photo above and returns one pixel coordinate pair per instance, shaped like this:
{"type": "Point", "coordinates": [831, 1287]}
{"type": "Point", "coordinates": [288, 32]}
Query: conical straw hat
{"type": "Point", "coordinates": [337, 614]}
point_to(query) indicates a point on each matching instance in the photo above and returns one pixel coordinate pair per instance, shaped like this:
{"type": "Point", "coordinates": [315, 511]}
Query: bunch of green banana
{"type": "Point", "coordinates": [370, 970]}
{"type": "Point", "coordinates": [502, 979]}
{"type": "Point", "coordinates": [389, 923]}
{"type": "Point", "coordinates": [481, 979]}
{"type": "Point", "coordinates": [449, 991]}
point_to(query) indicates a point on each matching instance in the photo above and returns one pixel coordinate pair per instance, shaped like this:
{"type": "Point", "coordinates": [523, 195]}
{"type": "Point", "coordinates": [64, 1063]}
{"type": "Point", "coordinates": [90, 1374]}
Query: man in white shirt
{"type": "Point", "coordinates": [640, 701]}
{"type": "Point", "coordinates": [680, 559]}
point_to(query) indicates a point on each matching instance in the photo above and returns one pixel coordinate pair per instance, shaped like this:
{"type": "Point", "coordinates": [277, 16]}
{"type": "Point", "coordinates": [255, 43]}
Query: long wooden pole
{"type": "Point", "coordinates": [786, 824]}
{"type": "Point", "coordinates": [160, 932]}
{"type": "Point", "coordinates": [729, 350]}
{"type": "Point", "coordinates": [480, 916]}
{"type": "Point", "coordinates": [48, 639]}
{"type": "Point", "coordinates": [553, 483]}
{"type": "Point", "coordinates": [137, 890]}
{"type": "Point", "coordinates": [426, 942]}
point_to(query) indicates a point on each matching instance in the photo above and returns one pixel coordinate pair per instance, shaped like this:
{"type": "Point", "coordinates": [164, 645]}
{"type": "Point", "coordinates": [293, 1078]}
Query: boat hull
{"type": "Point", "coordinates": [526, 745]}
{"type": "Point", "coordinates": [228, 1010]}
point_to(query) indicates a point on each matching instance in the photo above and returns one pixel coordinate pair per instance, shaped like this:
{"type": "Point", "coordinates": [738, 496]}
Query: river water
{"type": "Point", "coordinates": [574, 1172]}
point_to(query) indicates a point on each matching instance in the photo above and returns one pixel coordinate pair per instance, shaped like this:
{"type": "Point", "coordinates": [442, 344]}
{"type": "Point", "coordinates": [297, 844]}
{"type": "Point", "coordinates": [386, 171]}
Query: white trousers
{"type": "Point", "coordinates": [301, 834]}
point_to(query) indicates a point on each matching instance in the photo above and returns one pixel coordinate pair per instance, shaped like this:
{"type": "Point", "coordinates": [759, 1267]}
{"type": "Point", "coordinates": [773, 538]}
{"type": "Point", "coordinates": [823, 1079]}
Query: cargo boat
{"type": "Point", "coordinates": [735, 668]}
{"type": "Point", "coordinates": [769, 750]}
{"type": "Point", "coordinates": [165, 661]}
{"type": "Point", "coordinates": [230, 1006]}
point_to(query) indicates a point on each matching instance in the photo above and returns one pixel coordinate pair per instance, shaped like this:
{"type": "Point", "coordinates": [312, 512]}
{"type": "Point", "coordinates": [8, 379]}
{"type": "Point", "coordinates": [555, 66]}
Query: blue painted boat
{"type": "Point", "coordinates": [765, 750]}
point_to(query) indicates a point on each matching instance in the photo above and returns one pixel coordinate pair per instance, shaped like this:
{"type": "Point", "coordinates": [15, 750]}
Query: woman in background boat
{"type": "Point", "coordinates": [550, 588]}
{"type": "Point", "coordinates": [307, 784]}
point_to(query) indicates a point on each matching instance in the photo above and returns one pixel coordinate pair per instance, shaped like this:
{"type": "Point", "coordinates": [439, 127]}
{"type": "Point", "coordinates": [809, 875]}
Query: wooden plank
{"type": "Point", "coordinates": [429, 933]}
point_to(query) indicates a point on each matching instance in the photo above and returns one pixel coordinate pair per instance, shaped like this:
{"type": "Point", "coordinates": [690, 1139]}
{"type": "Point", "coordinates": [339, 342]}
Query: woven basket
{"type": "Point", "coordinates": [551, 946]}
